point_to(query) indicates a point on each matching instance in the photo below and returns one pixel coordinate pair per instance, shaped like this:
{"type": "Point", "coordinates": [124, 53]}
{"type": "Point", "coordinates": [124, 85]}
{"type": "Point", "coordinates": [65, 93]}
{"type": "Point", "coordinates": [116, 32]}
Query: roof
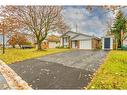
{"type": "Point", "coordinates": [77, 34]}
{"type": "Point", "coordinates": [53, 38]}
{"type": "Point", "coordinates": [109, 36]}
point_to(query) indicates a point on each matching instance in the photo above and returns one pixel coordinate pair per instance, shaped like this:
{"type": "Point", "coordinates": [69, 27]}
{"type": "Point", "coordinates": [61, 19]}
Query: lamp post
{"type": "Point", "coordinates": [76, 26]}
{"type": "Point", "coordinates": [2, 30]}
{"type": "Point", "coordinates": [3, 38]}
{"type": "Point", "coordinates": [77, 14]}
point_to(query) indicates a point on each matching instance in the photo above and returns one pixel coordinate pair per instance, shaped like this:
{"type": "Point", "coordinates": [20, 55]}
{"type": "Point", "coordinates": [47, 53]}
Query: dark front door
{"type": "Point", "coordinates": [107, 43]}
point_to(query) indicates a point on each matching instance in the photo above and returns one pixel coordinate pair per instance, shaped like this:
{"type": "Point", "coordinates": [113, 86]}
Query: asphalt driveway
{"type": "Point", "coordinates": [68, 70]}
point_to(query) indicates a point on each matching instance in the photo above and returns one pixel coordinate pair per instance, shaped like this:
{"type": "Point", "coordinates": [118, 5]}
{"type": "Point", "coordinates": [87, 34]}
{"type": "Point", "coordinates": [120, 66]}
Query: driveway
{"type": "Point", "coordinates": [67, 70]}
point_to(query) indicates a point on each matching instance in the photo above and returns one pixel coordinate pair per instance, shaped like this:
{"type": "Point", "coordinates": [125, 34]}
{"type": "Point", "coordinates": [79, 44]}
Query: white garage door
{"type": "Point", "coordinates": [53, 44]}
{"type": "Point", "coordinates": [85, 44]}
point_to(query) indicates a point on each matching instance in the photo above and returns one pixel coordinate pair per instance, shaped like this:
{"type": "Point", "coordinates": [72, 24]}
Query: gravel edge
{"type": "Point", "coordinates": [14, 81]}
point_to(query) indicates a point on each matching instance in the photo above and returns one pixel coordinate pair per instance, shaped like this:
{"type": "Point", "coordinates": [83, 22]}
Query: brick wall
{"type": "Point", "coordinates": [96, 43]}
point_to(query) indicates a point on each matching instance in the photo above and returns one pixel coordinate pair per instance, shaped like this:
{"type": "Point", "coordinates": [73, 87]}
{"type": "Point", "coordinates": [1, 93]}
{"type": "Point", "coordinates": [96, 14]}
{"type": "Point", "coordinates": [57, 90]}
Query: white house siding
{"type": "Point", "coordinates": [111, 43]}
{"type": "Point", "coordinates": [66, 41]}
{"type": "Point", "coordinates": [81, 37]}
{"type": "Point", "coordinates": [71, 34]}
{"type": "Point", "coordinates": [61, 41]}
{"type": "Point", "coordinates": [102, 43]}
{"type": "Point", "coordinates": [85, 44]}
{"type": "Point", "coordinates": [73, 44]}
{"type": "Point", "coordinates": [53, 44]}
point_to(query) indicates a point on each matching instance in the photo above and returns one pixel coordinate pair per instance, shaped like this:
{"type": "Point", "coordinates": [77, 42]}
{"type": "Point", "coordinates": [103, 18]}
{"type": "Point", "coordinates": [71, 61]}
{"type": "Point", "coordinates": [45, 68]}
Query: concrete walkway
{"type": "Point", "coordinates": [3, 83]}
{"type": "Point", "coordinates": [10, 80]}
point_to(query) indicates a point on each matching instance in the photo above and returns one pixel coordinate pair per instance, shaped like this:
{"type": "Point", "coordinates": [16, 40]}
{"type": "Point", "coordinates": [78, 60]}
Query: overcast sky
{"type": "Point", "coordinates": [92, 23]}
{"type": "Point", "coordinates": [88, 22]}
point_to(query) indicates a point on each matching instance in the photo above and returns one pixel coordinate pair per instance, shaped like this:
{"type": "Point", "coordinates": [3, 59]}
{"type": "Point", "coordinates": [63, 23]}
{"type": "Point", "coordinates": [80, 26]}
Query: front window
{"type": "Point", "coordinates": [65, 39]}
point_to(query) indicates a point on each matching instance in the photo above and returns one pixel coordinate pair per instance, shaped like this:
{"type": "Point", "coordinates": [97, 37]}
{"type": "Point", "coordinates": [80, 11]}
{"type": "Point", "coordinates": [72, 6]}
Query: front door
{"type": "Point", "coordinates": [74, 44]}
{"type": "Point", "coordinates": [107, 43]}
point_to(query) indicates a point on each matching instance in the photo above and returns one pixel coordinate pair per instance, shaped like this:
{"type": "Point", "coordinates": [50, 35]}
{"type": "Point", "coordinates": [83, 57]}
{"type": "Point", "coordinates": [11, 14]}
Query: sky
{"type": "Point", "coordinates": [89, 22]}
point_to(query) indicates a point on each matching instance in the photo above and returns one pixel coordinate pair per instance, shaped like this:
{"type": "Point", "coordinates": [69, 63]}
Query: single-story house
{"type": "Point", "coordinates": [80, 41]}
{"type": "Point", "coordinates": [51, 41]}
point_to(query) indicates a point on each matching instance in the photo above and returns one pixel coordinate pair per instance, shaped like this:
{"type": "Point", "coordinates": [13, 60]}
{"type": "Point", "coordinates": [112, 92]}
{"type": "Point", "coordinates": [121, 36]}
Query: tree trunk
{"type": "Point", "coordinates": [13, 46]}
{"type": "Point", "coordinates": [39, 45]}
{"type": "Point", "coordinates": [116, 44]}
{"type": "Point", "coordinates": [119, 43]}
{"type": "Point", "coordinates": [20, 46]}
{"type": "Point", "coordinates": [122, 36]}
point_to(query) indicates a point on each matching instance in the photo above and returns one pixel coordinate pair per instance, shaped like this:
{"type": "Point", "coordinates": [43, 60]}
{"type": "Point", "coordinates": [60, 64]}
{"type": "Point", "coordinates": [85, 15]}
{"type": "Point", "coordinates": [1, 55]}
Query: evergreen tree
{"type": "Point", "coordinates": [119, 26]}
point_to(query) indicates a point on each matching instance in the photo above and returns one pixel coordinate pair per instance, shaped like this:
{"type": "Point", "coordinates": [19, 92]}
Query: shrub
{"type": "Point", "coordinates": [124, 47]}
{"type": "Point", "coordinates": [27, 43]}
{"type": "Point", "coordinates": [59, 47]}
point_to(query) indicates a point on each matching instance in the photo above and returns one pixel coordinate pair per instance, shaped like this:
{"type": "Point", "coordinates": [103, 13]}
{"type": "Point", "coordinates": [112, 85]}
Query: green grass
{"type": "Point", "coordinates": [14, 55]}
{"type": "Point", "coordinates": [113, 73]}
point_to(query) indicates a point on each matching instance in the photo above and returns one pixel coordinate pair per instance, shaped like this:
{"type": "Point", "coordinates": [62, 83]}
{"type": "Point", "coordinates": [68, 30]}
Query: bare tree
{"type": "Point", "coordinates": [38, 19]}
{"type": "Point", "coordinates": [62, 27]}
{"type": "Point", "coordinates": [112, 8]}
{"type": "Point", "coordinates": [7, 24]}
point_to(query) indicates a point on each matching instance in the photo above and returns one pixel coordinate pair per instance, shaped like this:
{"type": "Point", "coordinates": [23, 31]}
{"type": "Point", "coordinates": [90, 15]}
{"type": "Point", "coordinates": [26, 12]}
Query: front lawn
{"type": "Point", "coordinates": [113, 73]}
{"type": "Point", "coordinates": [13, 55]}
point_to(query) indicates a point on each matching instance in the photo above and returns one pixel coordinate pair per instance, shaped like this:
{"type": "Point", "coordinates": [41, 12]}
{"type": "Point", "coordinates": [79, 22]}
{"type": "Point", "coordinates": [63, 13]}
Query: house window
{"type": "Point", "coordinates": [65, 39]}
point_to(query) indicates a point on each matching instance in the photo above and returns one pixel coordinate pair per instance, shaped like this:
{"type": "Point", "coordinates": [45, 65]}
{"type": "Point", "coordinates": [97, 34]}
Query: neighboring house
{"type": "Point", "coordinates": [51, 41]}
{"type": "Point", "coordinates": [79, 40]}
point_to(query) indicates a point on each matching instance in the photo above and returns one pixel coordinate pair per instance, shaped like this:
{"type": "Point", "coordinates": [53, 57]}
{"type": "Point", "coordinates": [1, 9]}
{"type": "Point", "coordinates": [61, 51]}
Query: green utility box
{"type": "Point", "coordinates": [124, 47]}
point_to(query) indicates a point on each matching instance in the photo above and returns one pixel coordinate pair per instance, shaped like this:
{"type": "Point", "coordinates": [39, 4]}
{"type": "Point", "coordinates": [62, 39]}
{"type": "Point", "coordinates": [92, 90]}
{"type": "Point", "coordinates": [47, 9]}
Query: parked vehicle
{"type": "Point", "coordinates": [26, 46]}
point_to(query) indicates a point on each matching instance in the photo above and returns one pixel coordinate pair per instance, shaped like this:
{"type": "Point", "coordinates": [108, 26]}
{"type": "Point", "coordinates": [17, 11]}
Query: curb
{"type": "Point", "coordinates": [14, 81]}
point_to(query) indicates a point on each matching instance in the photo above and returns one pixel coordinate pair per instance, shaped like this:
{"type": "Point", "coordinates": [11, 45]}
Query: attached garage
{"type": "Point", "coordinates": [83, 41]}
{"type": "Point", "coordinates": [85, 44]}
